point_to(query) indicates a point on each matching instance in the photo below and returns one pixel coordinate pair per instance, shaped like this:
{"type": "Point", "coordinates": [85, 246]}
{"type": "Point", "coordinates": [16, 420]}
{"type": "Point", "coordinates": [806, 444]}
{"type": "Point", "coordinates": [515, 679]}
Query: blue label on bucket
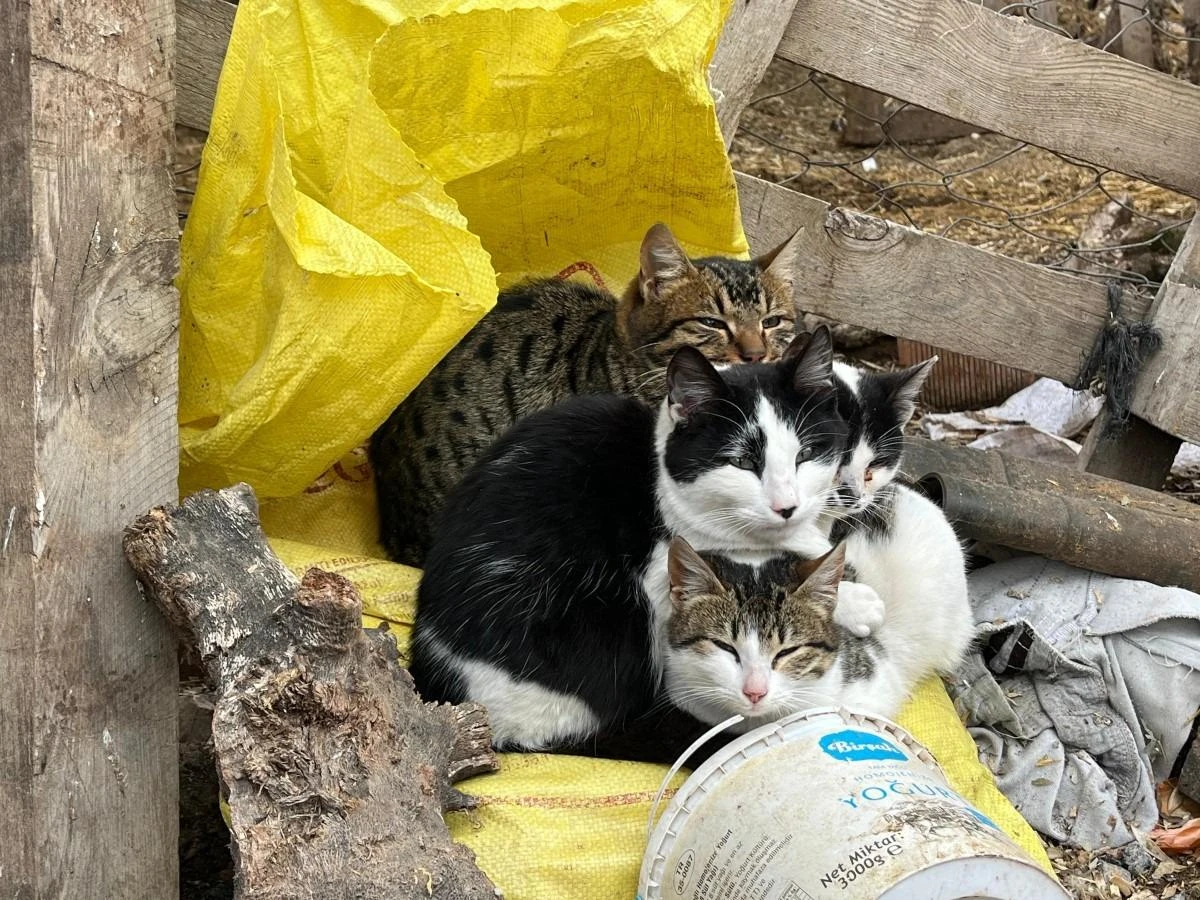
{"type": "Point", "coordinates": [856, 746]}
{"type": "Point", "coordinates": [982, 818]}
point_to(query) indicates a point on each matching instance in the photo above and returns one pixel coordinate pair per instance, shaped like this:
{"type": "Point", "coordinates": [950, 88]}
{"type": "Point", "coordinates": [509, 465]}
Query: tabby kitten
{"type": "Point", "coordinates": [541, 597]}
{"type": "Point", "coordinates": [549, 339]}
{"type": "Point", "coordinates": [762, 641]}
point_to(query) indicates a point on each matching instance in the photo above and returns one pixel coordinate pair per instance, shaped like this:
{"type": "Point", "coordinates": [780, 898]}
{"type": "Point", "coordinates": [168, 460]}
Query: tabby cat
{"type": "Point", "coordinates": [549, 339]}
{"type": "Point", "coordinates": [545, 591]}
{"type": "Point", "coordinates": [762, 641]}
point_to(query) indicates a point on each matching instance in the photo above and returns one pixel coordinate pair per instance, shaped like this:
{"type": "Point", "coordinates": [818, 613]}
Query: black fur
{"type": "Point", "coordinates": [538, 555]}
{"type": "Point", "coordinates": [568, 492]}
{"type": "Point", "coordinates": [725, 404]}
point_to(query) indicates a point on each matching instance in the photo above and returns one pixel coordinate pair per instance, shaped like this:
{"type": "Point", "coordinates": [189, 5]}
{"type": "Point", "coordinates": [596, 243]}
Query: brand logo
{"type": "Point", "coordinates": [856, 746]}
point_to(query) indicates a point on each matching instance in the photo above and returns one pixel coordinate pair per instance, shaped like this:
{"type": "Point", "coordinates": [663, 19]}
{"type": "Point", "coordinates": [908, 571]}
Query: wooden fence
{"type": "Point", "coordinates": [87, 255]}
{"type": "Point", "coordinates": [1001, 73]}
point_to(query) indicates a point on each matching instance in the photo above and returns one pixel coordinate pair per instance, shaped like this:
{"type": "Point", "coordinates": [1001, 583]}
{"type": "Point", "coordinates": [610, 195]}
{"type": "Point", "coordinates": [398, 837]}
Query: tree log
{"type": "Point", "coordinates": [336, 773]}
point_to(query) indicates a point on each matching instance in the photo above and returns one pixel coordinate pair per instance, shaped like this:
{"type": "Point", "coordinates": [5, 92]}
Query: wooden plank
{"type": "Point", "coordinates": [1128, 33]}
{"type": "Point", "coordinates": [745, 49]}
{"type": "Point", "coordinates": [1141, 455]}
{"type": "Point", "coordinates": [866, 271]}
{"type": "Point", "coordinates": [1168, 391]}
{"type": "Point", "coordinates": [88, 752]}
{"type": "Point", "coordinates": [1003, 74]}
{"type": "Point", "coordinates": [18, 623]}
{"type": "Point", "coordinates": [204, 29]}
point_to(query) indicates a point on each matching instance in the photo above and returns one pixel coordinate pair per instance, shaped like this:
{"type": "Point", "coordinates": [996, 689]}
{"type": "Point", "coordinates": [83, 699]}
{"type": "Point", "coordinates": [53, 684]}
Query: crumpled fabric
{"type": "Point", "coordinates": [1081, 694]}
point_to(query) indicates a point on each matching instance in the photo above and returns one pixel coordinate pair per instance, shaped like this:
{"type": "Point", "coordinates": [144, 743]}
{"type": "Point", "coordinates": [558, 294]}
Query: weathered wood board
{"type": "Point", "coordinates": [743, 53]}
{"type": "Point", "coordinates": [870, 272]}
{"type": "Point", "coordinates": [1168, 392]}
{"type": "Point", "coordinates": [1007, 75]}
{"type": "Point", "coordinates": [204, 29]}
{"type": "Point", "coordinates": [89, 317]}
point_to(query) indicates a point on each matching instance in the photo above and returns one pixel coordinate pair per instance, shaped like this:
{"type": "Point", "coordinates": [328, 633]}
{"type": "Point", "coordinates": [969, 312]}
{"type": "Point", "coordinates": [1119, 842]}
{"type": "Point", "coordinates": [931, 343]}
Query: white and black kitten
{"type": "Point", "coordinates": [898, 542]}
{"type": "Point", "coordinates": [542, 596]}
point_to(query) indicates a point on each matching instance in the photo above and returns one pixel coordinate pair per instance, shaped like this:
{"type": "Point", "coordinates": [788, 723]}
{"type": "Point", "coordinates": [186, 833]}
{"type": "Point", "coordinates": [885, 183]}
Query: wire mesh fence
{"type": "Point", "coordinates": [854, 148]}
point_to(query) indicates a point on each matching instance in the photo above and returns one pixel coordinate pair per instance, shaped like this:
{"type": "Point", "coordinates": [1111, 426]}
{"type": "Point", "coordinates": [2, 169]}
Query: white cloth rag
{"type": "Point", "coordinates": [1080, 694]}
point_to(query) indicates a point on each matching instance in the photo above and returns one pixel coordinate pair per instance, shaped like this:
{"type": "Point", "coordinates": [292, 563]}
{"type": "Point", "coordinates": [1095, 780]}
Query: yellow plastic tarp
{"type": "Point", "coordinates": [374, 170]}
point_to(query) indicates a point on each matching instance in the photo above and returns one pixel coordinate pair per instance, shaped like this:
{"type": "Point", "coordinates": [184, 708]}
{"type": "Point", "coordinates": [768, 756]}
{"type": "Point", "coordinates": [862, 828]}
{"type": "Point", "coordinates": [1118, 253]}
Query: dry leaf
{"type": "Point", "coordinates": [1184, 839]}
{"type": "Point", "coordinates": [1041, 782]}
{"type": "Point", "coordinates": [1167, 867]}
{"type": "Point", "coordinates": [1045, 761]}
{"type": "Point", "coordinates": [1169, 891]}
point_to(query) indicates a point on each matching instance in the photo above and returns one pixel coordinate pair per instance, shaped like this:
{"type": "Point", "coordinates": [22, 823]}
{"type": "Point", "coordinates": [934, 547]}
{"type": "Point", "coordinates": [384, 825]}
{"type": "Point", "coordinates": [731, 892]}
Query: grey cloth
{"type": "Point", "coordinates": [1080, 694]}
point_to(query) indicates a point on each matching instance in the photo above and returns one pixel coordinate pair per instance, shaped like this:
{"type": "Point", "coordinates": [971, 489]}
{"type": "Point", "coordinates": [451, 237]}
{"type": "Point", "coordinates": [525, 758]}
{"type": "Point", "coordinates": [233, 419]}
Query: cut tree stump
{"type": "Point", "coordinates": [336, 773]}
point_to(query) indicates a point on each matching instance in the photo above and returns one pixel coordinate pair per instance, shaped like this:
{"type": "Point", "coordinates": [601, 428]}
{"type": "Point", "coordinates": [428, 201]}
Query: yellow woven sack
{"type": "Point", "coordinates": [560, 826]}
{"type": "Point", "coordinates": [370, 162]}
{"type": "Point", "coordinates": [375, 169]}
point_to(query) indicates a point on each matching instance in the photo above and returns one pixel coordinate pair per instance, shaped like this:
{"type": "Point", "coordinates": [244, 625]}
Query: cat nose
{"type": "Point", "coordinates": [751, 356]}
{"type": "Point", "coordinates": [785, 512]}
{"type": "Point", "coordinates": [754, 694]}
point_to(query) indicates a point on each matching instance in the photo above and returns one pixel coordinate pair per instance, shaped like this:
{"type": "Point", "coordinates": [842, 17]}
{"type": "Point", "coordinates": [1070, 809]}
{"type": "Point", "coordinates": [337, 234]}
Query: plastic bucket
{"type": "Point", "coordinates": [831, 804]}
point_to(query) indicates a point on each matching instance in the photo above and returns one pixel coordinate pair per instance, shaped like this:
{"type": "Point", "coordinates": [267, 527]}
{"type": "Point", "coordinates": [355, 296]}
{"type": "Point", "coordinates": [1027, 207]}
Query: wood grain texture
{"type": "Point", "coordinates": [88, 439]}
{"type": "Point", "coordinates": [1141, 454]}
{"type": "Point", "coordinates": [745, 49]}
{"type": "Point", "coordinates": [1128, 32]}
{"type": "Point", "coordinates": [1007, 75]}
{"type": "Point", "coordinates": [18, 618]}
{"type": "Point", "coordinates": [1168, 392]}
{"type": "Point", "coordinates": [336, 773]}
{"type": "Point", "coordinates": [204, 29]}
{"type": "Point", "coordinates": [883, 276]}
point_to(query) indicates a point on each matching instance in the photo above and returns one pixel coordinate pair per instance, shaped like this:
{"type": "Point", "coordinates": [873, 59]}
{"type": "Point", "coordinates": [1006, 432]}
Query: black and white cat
{"type": "Point", "coordinates": [545, 593]}
{"type": "Point", "coordinates": [876, 406]}
{"type": "Point", "coordinates": [897, 541]}
{"type": "Point", "coordinates": [764, 641]}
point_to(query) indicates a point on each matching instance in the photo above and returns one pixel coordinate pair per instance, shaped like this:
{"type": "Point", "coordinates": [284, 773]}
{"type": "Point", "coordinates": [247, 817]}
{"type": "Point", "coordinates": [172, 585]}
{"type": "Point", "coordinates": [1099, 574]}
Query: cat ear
{"type": "Point", "coordinates": [690, 575]}
{"type": "Point", "coordinates": [662, 260]}
{"type": "Point", "coordinates": [780, 263]}
{"type": "Point", "coordinates": [691, 382]}
{"type": "Point", "coordinates": [906, 387]}
{"type": "Point", "coordinates": [811, 355]}
{"type": "Point", "coordinates": [821, 582]}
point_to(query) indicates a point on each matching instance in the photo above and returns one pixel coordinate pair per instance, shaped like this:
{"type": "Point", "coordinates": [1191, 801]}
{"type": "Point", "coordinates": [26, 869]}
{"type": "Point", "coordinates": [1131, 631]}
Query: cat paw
{"type": "Point", "coordinates": [859, 609]}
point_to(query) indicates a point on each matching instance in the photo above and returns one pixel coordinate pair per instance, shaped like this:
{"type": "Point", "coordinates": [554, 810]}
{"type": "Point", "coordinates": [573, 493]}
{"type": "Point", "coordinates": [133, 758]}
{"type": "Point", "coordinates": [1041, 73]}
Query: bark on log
{"type": "Point", "coordinates": [1074, 517]}
{"type": "Point", "coordinates": [336, 773]}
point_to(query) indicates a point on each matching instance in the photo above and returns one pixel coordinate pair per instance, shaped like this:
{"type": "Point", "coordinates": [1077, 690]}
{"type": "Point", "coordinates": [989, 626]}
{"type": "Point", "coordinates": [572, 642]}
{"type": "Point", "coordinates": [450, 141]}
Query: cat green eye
{"type": "Point", "coordinates": [772, 321]}
{"type": "Point", "coordinates": [728, 648]}
{"type": "Point", "coordinates": [741, 462]}
{"type": "Point", "coordinates": [804, 455]}
{"type": "Point", "coordinates": [708, 322]}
